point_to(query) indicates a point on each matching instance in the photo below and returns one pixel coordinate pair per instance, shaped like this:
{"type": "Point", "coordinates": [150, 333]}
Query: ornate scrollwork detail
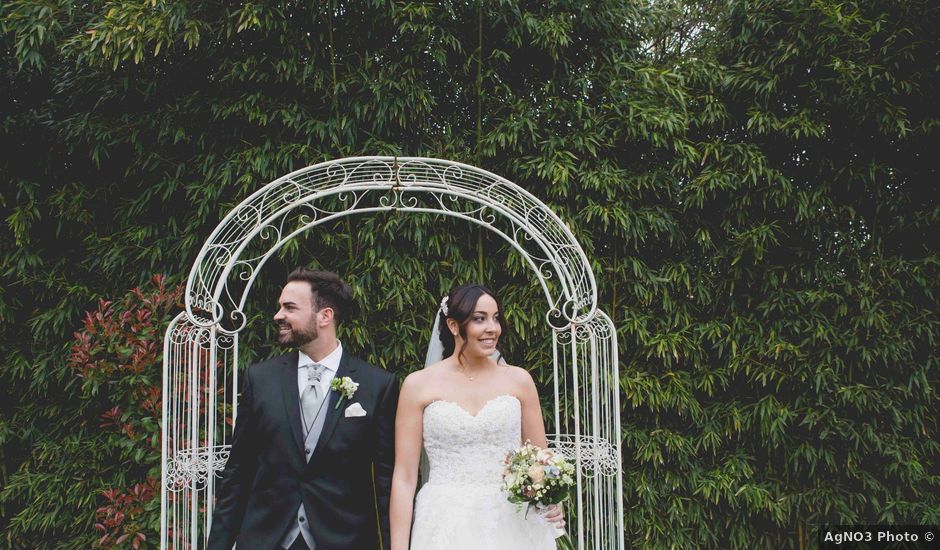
{"type": "Point", "coordinates": [337, 168]}
{"type": "Point", "coordinates": [598, 455]}
{"type": "Point", "coordinates": [190, 468]}
{"type": "Point", "coordinates": [563, 335]}
{"type": "Point", "coordinates": [293, 192]}
{"type": "Point", "coordinates": [270, 232]}
{"type": "Point", "coordinates": [546, 269]}
{"type": "Point", "coordinates": [201, 336]}
{"type": "Point", "coordinates": [180, 333]}
{"type": "Point", "coordinates": [556, 320]}
{"type": "Point", "coordinates": [408, 180]}
{"type": "Point", "coordinates": [452, 172]}
{"type": "Point", "coordinates": [486, 216]}
{"type": "Point", "coordinates": [239, 319]}
{"type": "Point", "coordinates": [398, 200]}
{"type": "Point", "coordinates": [583, 332]}
{"type": "Point", "coordinates": [350, 198]}
{"type": "Point", "coordinates": [310, 215]}
{"type": "Point", "coordinates": [366, 169]}
{"type": "Point", "coordinates": [417, 184]}
{"type": "Point", "coordinates": [602, 327]}
{"type": "Point", "coordinates": [247, 214]}
{"type": "Point", "coordinates": [570, 309]}
{"type": "Point", "coordinates": [227, 341]}
{"type": "Point", "coordinates": [389, 201]}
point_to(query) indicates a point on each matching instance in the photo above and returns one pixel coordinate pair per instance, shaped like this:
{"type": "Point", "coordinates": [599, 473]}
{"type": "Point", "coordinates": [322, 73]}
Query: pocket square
{"type": "Point", "coordinates": [354, 410]}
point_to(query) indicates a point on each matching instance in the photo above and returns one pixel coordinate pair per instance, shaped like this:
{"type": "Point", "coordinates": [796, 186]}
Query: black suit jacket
{"type": "Point", "coordinates": [266, 476]}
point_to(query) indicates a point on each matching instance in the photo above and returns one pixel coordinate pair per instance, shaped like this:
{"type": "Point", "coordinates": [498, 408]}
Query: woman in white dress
{"type": "Point", "coordinates": [467, 412]}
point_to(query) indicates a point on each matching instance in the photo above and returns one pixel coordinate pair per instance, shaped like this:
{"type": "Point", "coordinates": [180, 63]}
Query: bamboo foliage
{"type": "Point", "coordinates": [752, 181]}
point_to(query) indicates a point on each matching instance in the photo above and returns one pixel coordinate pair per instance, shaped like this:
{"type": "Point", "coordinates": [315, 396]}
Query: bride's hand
{"type": "Point", "coordinates": [554, 514]}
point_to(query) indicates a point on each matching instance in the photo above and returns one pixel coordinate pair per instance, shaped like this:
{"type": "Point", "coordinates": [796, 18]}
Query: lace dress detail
{"type": "Point", "coordinates": [461, 507]}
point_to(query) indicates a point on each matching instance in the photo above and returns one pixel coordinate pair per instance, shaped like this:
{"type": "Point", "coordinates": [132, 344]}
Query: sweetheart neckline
{"type": "Point", "coordinates": [480, 410]}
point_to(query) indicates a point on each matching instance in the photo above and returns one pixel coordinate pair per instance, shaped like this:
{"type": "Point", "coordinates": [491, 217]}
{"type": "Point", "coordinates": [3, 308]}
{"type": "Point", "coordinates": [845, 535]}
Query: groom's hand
{"type": "Point", "coordinates": [554, 514]}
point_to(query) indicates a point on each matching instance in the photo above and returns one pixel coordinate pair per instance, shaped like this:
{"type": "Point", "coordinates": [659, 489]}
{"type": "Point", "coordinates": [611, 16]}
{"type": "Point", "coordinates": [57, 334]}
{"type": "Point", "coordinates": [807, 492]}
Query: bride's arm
{"type": "Point", "coordinates": [408, 427]}
{"type": "Point", "coordinates": [533, 427]}
{"type": "Point", "coordinates": [533, 430]}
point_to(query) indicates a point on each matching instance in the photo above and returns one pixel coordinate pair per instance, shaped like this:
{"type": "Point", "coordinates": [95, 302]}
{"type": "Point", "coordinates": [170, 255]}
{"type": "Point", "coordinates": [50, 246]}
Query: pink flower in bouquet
{"type": "Point", "coordinates": [536, 473]}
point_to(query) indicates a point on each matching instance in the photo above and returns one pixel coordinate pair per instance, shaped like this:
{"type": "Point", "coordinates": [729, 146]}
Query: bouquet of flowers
{"type": "Point", "coordinates": [536, 476]}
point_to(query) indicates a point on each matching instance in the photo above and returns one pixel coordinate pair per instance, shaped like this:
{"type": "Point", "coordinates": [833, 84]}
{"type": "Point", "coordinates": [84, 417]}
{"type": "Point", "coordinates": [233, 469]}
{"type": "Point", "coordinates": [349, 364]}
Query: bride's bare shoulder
{"type": "Point", "coordinates": [517, 373]}
{"type": "Point", "coordinates": [436, 367]}
{"type": "Point", "coordinates": [414, 379]}
{"type": "Point", "coordinates": [519, 376]}
{"type": "Point", "coordinates": [423, 379]}
{"type": "Point", "coordinates": [430, 372]}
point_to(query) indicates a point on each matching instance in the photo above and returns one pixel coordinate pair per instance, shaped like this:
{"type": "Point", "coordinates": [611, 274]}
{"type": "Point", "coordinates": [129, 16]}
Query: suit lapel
{"type": "Point", "coordinates": [288, 380]}
{"type": "Point", "coordinates": [333, 413]}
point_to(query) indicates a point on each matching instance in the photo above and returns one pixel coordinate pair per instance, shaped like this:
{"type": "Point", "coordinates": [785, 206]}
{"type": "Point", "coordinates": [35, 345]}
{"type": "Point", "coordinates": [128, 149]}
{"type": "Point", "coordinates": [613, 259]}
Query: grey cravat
{"type": "Point", "coordinates": [312, 398]}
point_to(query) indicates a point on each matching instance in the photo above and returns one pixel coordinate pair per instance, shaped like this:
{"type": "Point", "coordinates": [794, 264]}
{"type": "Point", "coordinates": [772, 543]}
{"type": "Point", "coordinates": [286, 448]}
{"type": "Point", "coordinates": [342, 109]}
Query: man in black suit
{"type": "Point", "coordinates": [310, 466]}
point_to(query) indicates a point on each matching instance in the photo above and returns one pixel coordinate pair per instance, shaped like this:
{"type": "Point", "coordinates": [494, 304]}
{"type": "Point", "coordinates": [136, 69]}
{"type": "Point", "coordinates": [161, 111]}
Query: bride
{"type": "Point", "coordinates": [467, 412]}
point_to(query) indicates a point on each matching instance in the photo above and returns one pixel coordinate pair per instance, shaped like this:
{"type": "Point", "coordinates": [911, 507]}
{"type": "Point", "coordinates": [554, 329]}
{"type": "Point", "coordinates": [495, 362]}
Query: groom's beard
{"type": "Point", "coordinates": [296, 338]}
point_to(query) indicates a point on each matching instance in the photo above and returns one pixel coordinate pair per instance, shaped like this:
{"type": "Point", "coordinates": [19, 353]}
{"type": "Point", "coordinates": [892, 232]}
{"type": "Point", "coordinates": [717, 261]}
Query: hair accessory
{"type": "Point", "coordinates": [444, 306]}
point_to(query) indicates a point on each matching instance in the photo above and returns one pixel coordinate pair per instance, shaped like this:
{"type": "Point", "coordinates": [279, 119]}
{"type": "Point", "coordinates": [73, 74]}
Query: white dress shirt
{"type": "Point", "coordinates": [301, 527]}
{"type": "Point", "coordinates": [331, 362]}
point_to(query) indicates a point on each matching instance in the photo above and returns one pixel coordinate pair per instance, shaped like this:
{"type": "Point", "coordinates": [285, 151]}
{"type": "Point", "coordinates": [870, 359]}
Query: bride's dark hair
{"type": "Point", "coordinates": [461, 301]}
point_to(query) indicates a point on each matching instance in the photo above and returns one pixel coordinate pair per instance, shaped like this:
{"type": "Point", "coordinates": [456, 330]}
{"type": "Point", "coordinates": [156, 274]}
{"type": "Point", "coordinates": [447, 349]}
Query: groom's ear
{"type": "Point", "coordinates": [326, 315]}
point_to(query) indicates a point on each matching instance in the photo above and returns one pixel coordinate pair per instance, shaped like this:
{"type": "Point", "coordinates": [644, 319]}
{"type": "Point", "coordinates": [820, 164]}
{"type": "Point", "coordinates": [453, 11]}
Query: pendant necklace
{"type": "Point", "coordinates": [465, 372]}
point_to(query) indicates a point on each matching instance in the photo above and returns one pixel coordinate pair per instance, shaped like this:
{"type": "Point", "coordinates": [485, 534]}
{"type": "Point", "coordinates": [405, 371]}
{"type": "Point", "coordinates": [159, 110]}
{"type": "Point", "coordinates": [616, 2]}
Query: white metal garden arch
{"type": "Point", "coordinates": [201, 344]}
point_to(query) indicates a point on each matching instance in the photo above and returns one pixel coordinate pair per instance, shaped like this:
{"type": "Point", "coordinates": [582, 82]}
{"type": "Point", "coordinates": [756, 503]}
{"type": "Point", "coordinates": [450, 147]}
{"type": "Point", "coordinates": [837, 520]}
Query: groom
{"type": "Point", "coordinates": [310, 466]}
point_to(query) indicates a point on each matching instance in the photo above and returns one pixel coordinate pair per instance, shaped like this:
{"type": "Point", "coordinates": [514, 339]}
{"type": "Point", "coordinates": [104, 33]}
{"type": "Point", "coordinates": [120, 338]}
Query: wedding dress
{"type": "Point", "coordinates": [461, 506]}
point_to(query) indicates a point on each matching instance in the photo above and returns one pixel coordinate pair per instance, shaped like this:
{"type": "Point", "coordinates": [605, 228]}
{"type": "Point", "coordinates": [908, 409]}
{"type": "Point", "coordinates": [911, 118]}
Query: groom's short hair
{"type": "Point", "coordinates": [329, 290]}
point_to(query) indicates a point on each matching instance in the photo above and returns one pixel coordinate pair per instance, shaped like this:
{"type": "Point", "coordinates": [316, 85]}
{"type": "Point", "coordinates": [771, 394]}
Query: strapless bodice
{"type": "Point", "coordinates": [469, 449]}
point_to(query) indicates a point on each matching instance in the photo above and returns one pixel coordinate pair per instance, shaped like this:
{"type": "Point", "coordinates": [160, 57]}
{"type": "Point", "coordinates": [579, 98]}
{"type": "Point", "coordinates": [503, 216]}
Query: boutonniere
{"type": "Point", "coordinates": [346, 388]}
